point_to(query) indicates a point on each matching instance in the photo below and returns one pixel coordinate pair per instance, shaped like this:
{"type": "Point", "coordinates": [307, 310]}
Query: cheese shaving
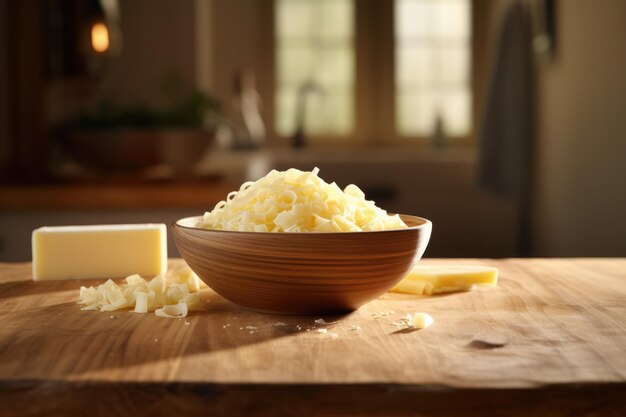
{"type": "Point", "coordinates": [166, 296]}
{"type": "Point", "coordinates": [298, 201]}
{"type": "Point", "coordinates": [175, 311]}
{"type": "Point", "coordinates": [141, 302]}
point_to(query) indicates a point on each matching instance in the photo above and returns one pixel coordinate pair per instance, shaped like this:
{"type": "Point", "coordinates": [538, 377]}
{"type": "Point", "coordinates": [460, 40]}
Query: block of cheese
{"type": "Point", "coordinates": [427, 280]}
{"type": "Point", "coordinates": [101, 251]}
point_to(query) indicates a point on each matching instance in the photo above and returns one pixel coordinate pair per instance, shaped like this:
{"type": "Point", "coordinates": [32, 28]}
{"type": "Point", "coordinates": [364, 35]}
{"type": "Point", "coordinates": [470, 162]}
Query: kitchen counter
{"type": "Point", "coordinates": [549, 340]}
{"type": "Point", "coordinates": [122, 192]}
{"type": "Point", "coordinates": [24, 208]}
{"type": "Point", "coordinates": [114, 195]}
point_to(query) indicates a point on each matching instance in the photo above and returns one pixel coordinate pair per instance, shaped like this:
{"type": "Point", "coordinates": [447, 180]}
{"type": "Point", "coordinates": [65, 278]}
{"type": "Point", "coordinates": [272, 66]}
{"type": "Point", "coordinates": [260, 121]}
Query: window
{"type": "Point", "coordinates": [432, 74]}
{"type": "Point", "coordinates": [424, 56]}
{"type": "Point", "coordinates": [315, 66]}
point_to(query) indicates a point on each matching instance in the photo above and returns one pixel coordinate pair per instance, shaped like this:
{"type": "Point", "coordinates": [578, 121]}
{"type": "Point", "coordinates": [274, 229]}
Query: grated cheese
{"type": "Point", "coordinates": [168, 299]}
{"type": "Point", "coordinates": [141, 302]}
{"type": "Point", "coordinates": [176, 311]}
{"type": "Point", "coordinates": [298, 201]}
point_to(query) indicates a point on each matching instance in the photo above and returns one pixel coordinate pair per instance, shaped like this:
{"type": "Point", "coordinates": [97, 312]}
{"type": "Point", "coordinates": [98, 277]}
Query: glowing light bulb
{"type": "Point", "coordinates": [100, 37]}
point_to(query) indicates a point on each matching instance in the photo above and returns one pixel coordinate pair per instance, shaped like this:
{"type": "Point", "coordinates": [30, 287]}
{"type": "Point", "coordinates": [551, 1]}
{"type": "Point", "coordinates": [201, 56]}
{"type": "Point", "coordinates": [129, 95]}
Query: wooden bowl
{"type": "Point", "coordinates": [301, 273]}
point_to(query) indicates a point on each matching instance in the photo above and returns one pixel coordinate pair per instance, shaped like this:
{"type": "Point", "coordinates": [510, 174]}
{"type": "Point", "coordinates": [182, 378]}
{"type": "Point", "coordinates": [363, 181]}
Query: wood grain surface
{"type": "Point", "coordinates": [301, 273]}
{"type": "Point", "coordinates": [549, 340]}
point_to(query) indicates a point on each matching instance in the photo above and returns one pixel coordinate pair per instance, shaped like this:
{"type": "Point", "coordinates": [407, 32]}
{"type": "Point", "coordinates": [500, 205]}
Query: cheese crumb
{"type": "Point", "coordinates": [419, 320]}
{"type": "Point", "coordinates": [322, 330]}
{"type": "Point", "coordinates": [320, 321]}
{"type": "Point", "coordinates": [376, 316]}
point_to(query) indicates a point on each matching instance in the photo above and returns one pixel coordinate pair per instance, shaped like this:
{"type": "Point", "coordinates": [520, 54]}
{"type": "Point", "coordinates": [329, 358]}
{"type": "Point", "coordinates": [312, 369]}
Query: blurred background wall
{"type": "Point", "coordinates": [581, 134]}
{"type": "Point", "coordinates": [159, 39]}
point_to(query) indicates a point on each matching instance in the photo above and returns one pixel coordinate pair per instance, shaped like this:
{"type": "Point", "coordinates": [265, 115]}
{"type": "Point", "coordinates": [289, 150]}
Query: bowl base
{"type": "Point", "coordinates": [322, 312]}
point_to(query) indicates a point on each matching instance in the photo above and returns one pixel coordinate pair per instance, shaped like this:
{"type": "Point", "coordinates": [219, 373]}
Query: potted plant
{"type": "Point", "coordinates": [114, 138]}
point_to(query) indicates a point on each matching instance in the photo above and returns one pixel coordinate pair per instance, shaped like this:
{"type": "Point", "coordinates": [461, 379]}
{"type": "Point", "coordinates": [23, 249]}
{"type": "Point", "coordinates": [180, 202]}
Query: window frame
{"type": "Point", "coordinates": [374, 89]}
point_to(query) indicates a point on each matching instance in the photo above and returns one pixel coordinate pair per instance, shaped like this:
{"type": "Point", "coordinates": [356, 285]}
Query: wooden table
{"type": "Point", "coordinates": [549, 340]}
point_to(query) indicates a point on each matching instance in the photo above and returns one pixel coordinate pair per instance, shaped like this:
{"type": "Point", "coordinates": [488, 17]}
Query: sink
{"type": "Point", "coordinates": [439, 186]}
{"type": "Point", "coordinates": [394, 178]}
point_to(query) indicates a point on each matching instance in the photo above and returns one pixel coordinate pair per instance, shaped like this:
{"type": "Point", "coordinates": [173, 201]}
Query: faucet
{"type": "Point", "coordinates": [306, 88]}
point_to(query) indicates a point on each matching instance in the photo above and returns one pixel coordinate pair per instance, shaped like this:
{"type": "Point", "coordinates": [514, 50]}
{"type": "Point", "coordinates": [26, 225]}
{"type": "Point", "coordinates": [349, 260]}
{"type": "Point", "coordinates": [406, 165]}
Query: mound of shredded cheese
{"type": "Point", "coordinates": [168, 298]}
{"type": "Point", "coordinates": [298, 201]}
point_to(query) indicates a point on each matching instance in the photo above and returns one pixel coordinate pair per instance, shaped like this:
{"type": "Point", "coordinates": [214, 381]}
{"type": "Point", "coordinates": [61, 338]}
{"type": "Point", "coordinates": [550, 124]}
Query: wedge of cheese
{"type": "Point", "coordinates": [102, 251]}
{"type": "Point", "coordinates": [428, 280]}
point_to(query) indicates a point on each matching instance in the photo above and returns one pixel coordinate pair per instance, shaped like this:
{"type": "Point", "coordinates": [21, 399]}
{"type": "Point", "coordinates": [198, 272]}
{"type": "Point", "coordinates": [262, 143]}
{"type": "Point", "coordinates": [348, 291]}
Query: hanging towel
{"type": "Point", "coordinates": [505, 137]}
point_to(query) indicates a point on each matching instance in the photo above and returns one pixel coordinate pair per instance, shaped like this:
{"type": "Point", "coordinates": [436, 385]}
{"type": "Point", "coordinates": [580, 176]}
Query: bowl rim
{"type": "Point", "coordinates": [425, 223]}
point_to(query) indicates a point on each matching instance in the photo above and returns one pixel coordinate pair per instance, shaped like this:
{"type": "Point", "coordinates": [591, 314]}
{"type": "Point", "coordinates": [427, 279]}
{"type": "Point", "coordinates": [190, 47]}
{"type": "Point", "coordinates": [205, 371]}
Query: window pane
{"type": "Point", "coordinates": [295, 63]}
{"type": "Point", "coordinates": [330, 112]}
{"type": "Point", "coordinates": [416, 113]}
{"type": "Point", "coordinates": [452, 66]}
{"type": "Point", "coordinates": [415, 66]}
{"type": "Point", "coordinates": [335, 67]}
{"type": "Point", "coordinates": [336, 22]}
{"type": "Point", "coordinates": [432, 18]}
{"type": "Point", "coordinates": [315, 47]}
{"type": "Point", "coordinates": [286, 110]}
{"type": "Point", "coordinates": [294, 19]}
{"type": "Point", "coordinates": [414, 18]}
{"type": "Point", "coordinates": [456, 110]}
{"type": "Point", "coordinates": [451, 18]}
{"type": "Point", "coordinates": [433, 66]}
